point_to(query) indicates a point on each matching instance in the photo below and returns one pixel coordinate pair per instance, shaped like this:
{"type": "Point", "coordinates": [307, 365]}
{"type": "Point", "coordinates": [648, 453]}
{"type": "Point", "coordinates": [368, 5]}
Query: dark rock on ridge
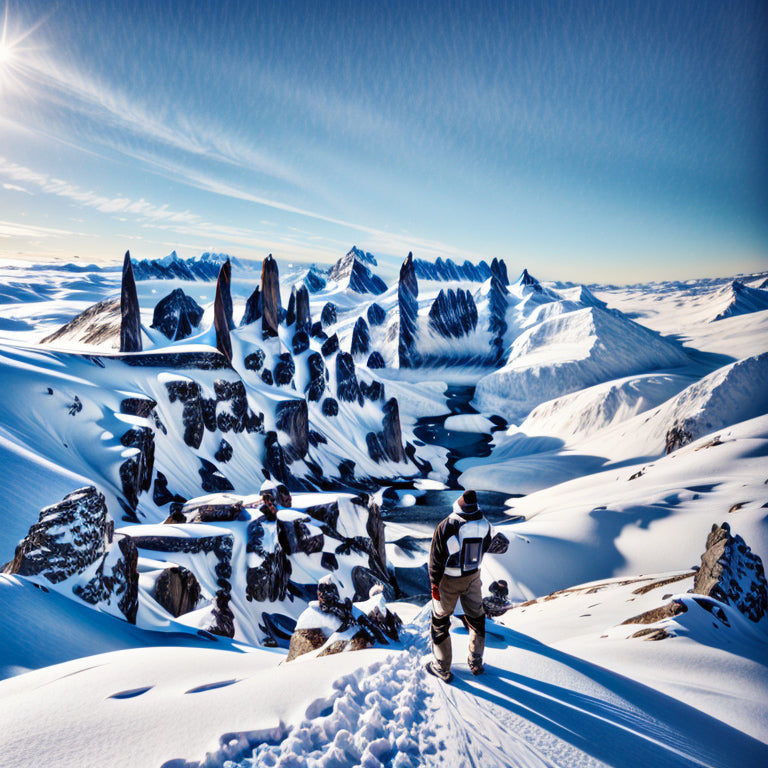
{"type": "Point", "coordinates": [731, 573]}
{"type": "Point", "coordinates": [298, 309]}
{"type": "Point", "coordinates": [223, 452]}
{"type": "Point", "coordinates": [330, 407]}
{"type": "Point", "coordinates": [497, 321]}
{"type": "Point", "coordinates": [407, 299]}
{"type": "Point", "coordinates": [292, 417]}
{"type": "Point", "coordinates": [375, 360]}
{"type": "Point", "coordinates": [328, 315]}
{"type": "Point", "coordinates": [300, 342]}
{"type": "Point", "coordinates": [205, 267]}
{"type": "Point", "coordinates": [177, 590]}
{"type": "Point", "coordinates": [136, 471]}
{"type": "Point", "coordinates": [176, 315]}
{"type": "Point", "coordinates": [393, 436]}
{"type": "Point", "coordinates": [499, 271]}
{"type": "Point", "coordinates": [130, 313]}
{"type": "Point", "coordinates": [450, 270]}
{"type": "Point", "coordinates": [315, 279]}
{"type": "Point", "coordinates": [284, 370]}
{"type": "Point", "coordinates": [317, 377]}
{"type": "Point", "coordinates": [678, 435]}
{"type": "Point", "coordinates": [254, 360]}
{"type": "Point", "coordinates": [361, 338]}
{"type": "Point", "coordinates": [212, 480]}
{"type": "Point", "coordinates": [376, 315]}
{"type": "Point", "coordinates": [252, 311]}
{"type": "Point", "coordinates": [270, 303]}
{"type": "Point", "coordinates": [274, 459]}
{"type": "Point", "coordinates": [330, 346]}
{"type": "Point", "coordinates": [453, 313]}
{"type": "Point", "coordinates": [347, 387]}
{"type": "Point", "coordinates": [527, 279]}
{"type": "Point", "coordinates": [222, 311]}
{"type": "Point", "coordinates": [68, 537]}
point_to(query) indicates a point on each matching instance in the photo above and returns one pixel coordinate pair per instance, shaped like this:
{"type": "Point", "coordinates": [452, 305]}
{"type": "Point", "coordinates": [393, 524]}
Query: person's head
{"type": "Point", "coordinates": [467, 503]}
{"type": "Point", "coordinates": [284, 498]}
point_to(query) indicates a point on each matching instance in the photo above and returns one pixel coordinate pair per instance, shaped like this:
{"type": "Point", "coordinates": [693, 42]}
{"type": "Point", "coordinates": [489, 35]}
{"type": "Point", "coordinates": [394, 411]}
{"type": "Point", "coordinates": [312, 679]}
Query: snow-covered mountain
{"type": "Point", "coordinates": [204, 267]}
{"type": "Point", "coordinates": [140, 418]}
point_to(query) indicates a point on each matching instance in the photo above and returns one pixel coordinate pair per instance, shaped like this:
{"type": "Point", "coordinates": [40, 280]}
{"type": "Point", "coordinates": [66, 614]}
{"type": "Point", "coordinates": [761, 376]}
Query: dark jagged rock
{"type": "Point", "coordinates": [298, 309]}
{"type": "Point", "coordinates": [252, 311]}
{"type": "Point", "coordinates": [284, 370]}
{"type": "Point", "coordinates": [450, 270]}
{"type": "Point", "coordinates": [300, 342]}
{"type": "Point", "coordinates": [136, 471]}
{"type": "Point", "coordinates": [223, 452]}
{"type": "Point", "coordinates": [330, 346]}
{"type": "Point", "coordinates": [353, 268]}
{"type": "Point", "coordinates": [373, 391]}
{"type": "Point", "coordinates": [317, 377]}
{"type": "Point", "coordinates": [407, 300]}
{"type": "Point", "coordinates": [177, 590]}
{"type": "Point", "coordinates": [176, 315]}
{"type": "Point", "coordinates": [315, 438]}
{"type": "Point", "coordinates": [116, 577]}
{"type": "Point", "coordinates": [270, 304]}
{"type": "Point", "coordinates": [317, 332]}
{"type": "Point", "coordinates": [731, 573]}
{"type": "Point", "coordinates": [212, 480]}
{"type": "Point", "coordinates": [392, 434]}
{"type": "Point", "coordinates": [292, 417]}
{"type": "Point", "coordinates": [75, 407]}
{"type": "Point", "coordinates": [47, 551]}
{"type": "Point", "coordinates": [361, 338]}
{"type": "Point", "coordinates": [266, 377]}
{"type": "Point", "coordinates": [376, 315]}
{"type": "Point", "coordinates": [254, 360]}
{"type": "Point", "coordinates": [678, 435]}
{"type": "Point", "coordinates": [375, 448]}
{"type": "Point", "coordinates": [137, 406]}
{"type": "Point", "coordinates": [188, 393]}
{"type": "Point", "coordinates": [222, 311]}
{"type": "Point", "coordinates": [375, 360]}
{"type": "Point", "coordinates": [499, 270]}
{"type": "Point", "coordinates": [161, 495]}
{"type": "Point", "coordinates": [328, 315]}
{"type": "Point", "coordinates": [453, 313]}
{"type": "Point", "coordinates": [315, 279]}
{"type": "Point", "coordinates": [130, 313]}
{"type": "Point", "coordinates": [527, 279]}
{"type": "Point", "coordinates": [346, 470]}
{"type": "Point", "coordinates": [274, 459]}
{"type": "Point", "coordinates": [347, 388]}
{"type": "Point", "coordinates": [330, 407]}
{"type": "Point", "coordinates": [213, 513]}
{"type": "Point", "coordinates": [497, 321]}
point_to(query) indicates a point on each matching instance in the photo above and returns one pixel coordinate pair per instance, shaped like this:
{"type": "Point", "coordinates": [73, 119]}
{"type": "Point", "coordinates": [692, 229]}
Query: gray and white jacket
{"type": "Point", "coordinates": [458, 544]}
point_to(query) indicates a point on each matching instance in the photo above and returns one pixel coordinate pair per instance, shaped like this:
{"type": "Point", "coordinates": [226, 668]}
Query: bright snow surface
{"type": "Point", "coordinates": [610, 529]}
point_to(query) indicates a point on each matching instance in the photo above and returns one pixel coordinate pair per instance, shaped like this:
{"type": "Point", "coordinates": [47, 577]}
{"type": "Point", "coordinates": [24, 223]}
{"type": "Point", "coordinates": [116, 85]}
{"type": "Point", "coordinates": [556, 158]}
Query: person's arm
{"type": "Point", "coordinates": [488, 538]}
{"type": "Point", "coordinates": [438, 555]}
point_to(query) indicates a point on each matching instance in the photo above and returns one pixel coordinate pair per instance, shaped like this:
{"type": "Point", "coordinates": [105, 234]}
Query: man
{"type": "Point", "coordinates": [458, 546]}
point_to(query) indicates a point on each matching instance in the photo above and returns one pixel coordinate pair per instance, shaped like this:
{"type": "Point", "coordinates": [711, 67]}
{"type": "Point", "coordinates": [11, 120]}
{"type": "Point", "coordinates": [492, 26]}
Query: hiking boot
{"type": "Point", "coordinates": [476, 665]}
{"type": "Point", "coordinates": [435, 669]}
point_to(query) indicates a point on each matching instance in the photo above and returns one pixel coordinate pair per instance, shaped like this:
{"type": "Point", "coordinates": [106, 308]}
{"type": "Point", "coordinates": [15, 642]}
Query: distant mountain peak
{"type": "Point", "coordinates": [353, 268]}
{"type": "Point", "coordinates": [203, 267]}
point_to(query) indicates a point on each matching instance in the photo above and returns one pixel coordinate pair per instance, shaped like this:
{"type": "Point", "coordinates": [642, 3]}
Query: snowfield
{"type": "Point", "coordinates": [620, 424]}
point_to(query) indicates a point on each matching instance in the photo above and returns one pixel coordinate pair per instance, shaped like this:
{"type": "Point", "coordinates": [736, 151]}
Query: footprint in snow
{"type": "Point", "coordinates": [131, 693]}
{"type": "Point", "coordinates": [211, 686]}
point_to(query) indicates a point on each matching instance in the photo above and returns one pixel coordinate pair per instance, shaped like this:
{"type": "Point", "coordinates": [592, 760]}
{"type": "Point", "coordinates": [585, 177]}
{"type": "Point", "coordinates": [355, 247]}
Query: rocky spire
{"type": "Point", "coordinates": [497, 320]}
{"type": "Point", "coordinates": [252, 308]}
{"type": "Point", "coordinates": [392, 436]}
{"type": "Point", "coordinates": [222, 311]}
{"type": "Point", "coordinates": [407, 299]}
{"type": "Point", "coordinates": [270, 302]}
{"type": "Point", "coordinates": [303, 318]}
{"type": "Point", "coordinates": [361, 338]}
{"type": "Point", "coordinates": [130, 321]}
{"type": "Point", "coordinates": [499, 269]}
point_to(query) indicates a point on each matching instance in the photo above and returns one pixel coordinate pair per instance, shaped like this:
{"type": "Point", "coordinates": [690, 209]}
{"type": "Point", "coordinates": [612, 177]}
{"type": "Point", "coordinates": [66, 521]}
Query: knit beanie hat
{"type": "Point", "coordinates": [468, 502]}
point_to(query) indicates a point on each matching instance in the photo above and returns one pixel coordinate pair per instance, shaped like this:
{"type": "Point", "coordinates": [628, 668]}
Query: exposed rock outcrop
{"type": "Point", "coordinates": [347, 387]}
{"type": "Point", "coordinates": [68, 537]}
{"type": "Point", "coordinates": [375, 360]}
{"type": "Point", "coordinates": [222, 311]}
{"type": "Point", "coordinates": [731, 573]}
{"type": "Point", "coordinates": [176, 315]}
{"type": "Point", "coordinates": [330, 345]}
{"type": "Point", "coordinates": [99, 324]}
{"type": "Point", "coordinates": [361, 338]}
{"type": "Point", "coordinates": [453, 313]}
{"type": "Point", "coordinates": [318, 375]}
{"type": "Point", "coordinates": [270, 302]}
{"type": "Point", "coordinates": [376, 315]}
{"type": "Point", "coordinates": [252, 311]}
{"type": "Point", "coordinates": [407, 300]}
{"type": "Point", "coordinates": [136, 470]}
{"type": "Point", "coordinates": [298, 309]}
{"type": "Point", "coordinates": [678, 435]}
{"type": "Point", "coordinates": [449, 270]}
{"type": "Point", "coordinates": [292, 417]}
{"type": "Point", "coordinates": [328, 315]}
{"type": "Point", "coordinates": [391, 432]}
{"type": "Point", "coordinates": [130, 313]}
{"type": "Point", "coordinates": [497, 321]}
{"type": "Point", "coordinates": [177, 590]}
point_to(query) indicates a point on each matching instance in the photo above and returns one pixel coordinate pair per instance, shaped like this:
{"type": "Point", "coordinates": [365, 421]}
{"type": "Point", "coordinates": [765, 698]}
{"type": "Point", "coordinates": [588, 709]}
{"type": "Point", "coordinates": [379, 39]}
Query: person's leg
{"type": "Point", "coordinates": [472, 603]}
{"type": "Point", "coordinates": [441, 623]}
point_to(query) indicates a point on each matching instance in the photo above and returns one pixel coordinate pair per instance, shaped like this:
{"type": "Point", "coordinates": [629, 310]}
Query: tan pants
{"type": "Point", "coordinates": [468, 590]}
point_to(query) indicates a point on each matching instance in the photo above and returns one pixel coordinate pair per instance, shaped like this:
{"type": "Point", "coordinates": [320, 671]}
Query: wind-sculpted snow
{"type": "Point", "coordinates": [570, 352]}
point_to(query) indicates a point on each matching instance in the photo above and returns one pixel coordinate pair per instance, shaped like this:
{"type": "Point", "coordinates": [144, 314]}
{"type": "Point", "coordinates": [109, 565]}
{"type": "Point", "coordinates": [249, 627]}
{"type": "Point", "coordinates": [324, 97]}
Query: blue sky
{"type": "Point", "coordinates": [597, 141]}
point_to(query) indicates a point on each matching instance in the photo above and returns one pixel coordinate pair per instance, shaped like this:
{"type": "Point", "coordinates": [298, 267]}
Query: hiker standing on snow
{"type": "Point", "coordinates": [458, 546]}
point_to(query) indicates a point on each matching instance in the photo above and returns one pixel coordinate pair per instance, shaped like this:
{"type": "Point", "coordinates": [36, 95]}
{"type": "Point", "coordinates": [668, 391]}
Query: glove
{"type": "Point", "coordinates": [436, 592]}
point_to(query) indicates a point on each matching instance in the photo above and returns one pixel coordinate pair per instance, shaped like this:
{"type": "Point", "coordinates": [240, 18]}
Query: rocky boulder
{"type": "Point", "coordinates": [361, 338]}
{"type": "Point", "coordinates": [68, 537]}
{"type": "Point", "coordinates": [317, 377]}
{"type": "Point", "coordinates": [177, 590]}
{"type": "Point", "coordinates": [347, 387]}
{"type": "Point", "coordinates": [376, 315]}
{"type": "Point", "coordinates": [731, 573]}
{"type": "Point", "coordinates": [375, 360]}
{"type": "Point", "coordinates": [328, 315]}
{"type": "Point", "coordinates": [392, 436]}
{"type": "Point", "coordinates": [176, 315]}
